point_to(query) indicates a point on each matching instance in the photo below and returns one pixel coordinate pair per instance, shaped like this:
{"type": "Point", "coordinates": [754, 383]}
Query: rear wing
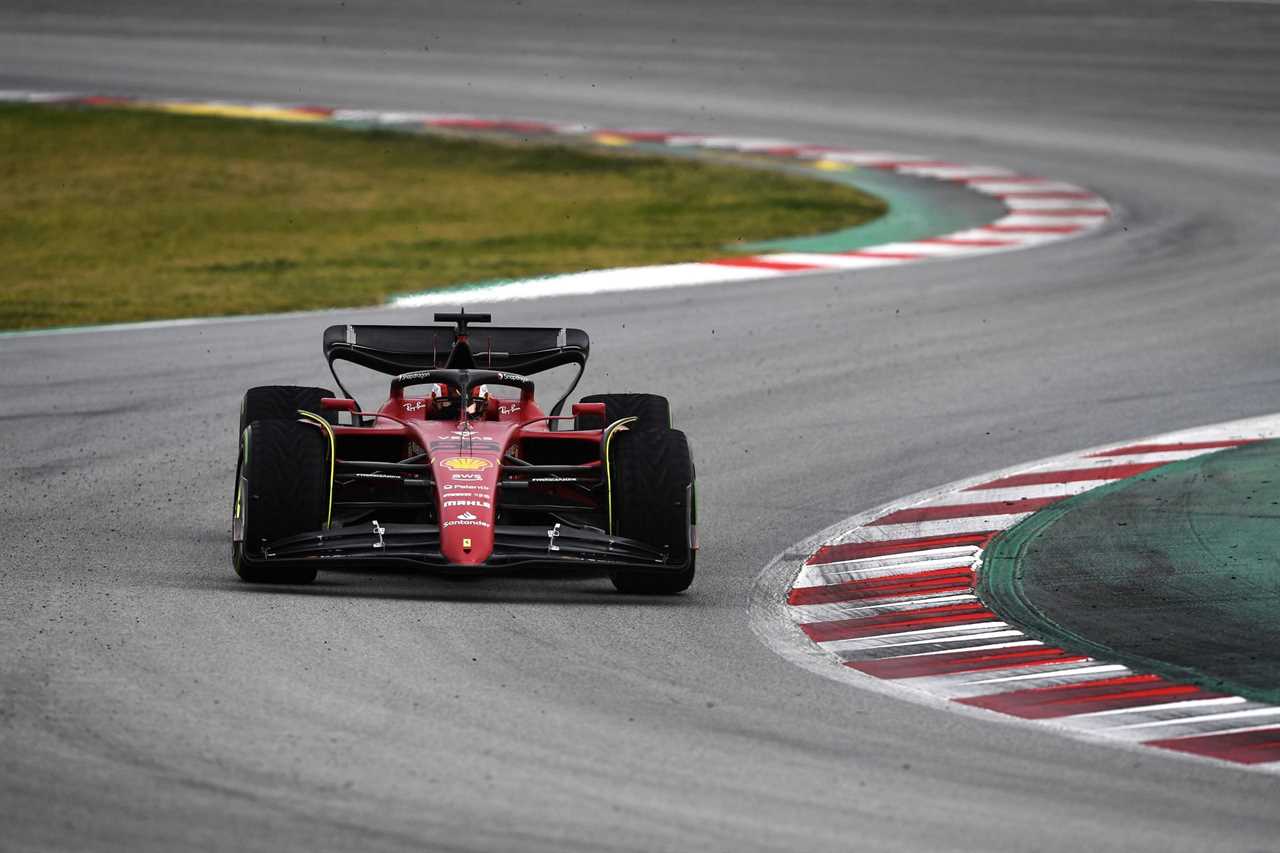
{"type": "Point", "coordinates": [400, 349]}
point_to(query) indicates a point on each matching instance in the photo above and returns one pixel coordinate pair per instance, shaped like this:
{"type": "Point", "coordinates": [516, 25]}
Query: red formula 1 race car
{"type": "Point", "coordinates": [460, 470]}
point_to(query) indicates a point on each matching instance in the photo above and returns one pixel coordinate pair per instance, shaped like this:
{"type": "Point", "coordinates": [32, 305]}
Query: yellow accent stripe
{"type": "Point", "coordinates": [235, 111]}
{"type": "Point", "coordinates": [611, 139]}
{"type": "Point", "coordinates": [240, 475]}
{"type": "Point", "coordinates": [333, 455]}
{"type": "Point", "coordinates": [608, 476]}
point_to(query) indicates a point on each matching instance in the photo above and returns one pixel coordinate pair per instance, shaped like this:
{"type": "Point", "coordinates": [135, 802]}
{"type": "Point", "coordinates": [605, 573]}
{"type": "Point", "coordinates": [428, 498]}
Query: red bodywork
{"type": "Point", "coordinates": [466, 459]}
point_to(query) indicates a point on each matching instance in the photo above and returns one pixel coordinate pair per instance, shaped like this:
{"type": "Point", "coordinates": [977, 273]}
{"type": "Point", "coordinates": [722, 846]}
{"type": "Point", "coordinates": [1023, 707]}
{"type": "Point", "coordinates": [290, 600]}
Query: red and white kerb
{"type": "Point", "coordinates": [892, 597]}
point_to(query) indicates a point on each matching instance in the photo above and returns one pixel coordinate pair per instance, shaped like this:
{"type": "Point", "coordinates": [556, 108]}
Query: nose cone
{"type": "Point", "coordinates": [465, 487]}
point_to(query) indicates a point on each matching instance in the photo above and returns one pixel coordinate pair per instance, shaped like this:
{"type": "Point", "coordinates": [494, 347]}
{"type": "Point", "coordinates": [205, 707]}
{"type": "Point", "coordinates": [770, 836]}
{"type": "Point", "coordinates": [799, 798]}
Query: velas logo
{"type": "Point", "coordinates": [466, 463]}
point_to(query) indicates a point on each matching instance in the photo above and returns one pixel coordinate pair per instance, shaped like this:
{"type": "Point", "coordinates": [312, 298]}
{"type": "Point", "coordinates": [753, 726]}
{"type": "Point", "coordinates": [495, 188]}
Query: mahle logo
{"type": "Point", "coordinates": [466, 463]}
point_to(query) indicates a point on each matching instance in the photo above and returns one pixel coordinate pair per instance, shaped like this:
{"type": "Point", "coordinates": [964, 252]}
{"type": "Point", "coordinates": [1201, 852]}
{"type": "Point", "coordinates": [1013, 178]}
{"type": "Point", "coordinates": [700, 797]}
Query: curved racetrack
{"type": "Point", "coordinates": [150, 700]}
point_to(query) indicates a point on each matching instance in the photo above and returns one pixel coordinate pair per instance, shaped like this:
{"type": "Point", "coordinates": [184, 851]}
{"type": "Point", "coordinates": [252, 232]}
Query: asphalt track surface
{"type": "Point", "coordinates": [149, 700]}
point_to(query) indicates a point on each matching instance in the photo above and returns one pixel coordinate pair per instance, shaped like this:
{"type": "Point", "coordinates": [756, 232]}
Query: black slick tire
{"type": "Point", "coordinates": [652, 410]}
{"type": "Point", "coordinates": [273, 402]}
{"type": "Point", "coordinates": [651, 480]}
{"type": "Point", "coordinates": [282, 489]}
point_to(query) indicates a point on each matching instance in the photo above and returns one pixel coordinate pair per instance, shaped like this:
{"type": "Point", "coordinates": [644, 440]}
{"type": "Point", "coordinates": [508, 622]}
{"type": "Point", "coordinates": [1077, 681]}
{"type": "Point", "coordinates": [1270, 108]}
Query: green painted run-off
{"type": "Point", "coordinates": [1175, 571]}
{"type": "Point", "coordinates": [919, 208]}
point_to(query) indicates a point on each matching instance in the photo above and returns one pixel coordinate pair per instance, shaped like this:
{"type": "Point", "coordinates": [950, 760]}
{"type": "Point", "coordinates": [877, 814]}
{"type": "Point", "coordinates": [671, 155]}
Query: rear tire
{"type": "Point", "coordinates": [652, 410]}
{"type": "Point", "coordinates": [273, 402]}
{"type": "Point", "coordinates": [650, 488]}
{"type": "Point", "coordinates": [282, 489]}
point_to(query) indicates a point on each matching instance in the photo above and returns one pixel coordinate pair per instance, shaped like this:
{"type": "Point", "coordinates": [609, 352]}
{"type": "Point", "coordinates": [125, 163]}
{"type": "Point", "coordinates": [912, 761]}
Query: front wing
{"type": "Point", "coordinates": [418, 545]}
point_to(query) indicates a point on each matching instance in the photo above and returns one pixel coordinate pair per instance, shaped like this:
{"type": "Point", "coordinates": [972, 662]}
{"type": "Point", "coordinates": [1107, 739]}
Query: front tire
{"type": "Point", "coordinates": [277, 402]}
{"type": "Point", "coordinates": [282, 489]}
{"type": "Point", "coordinates": [652, 410]}
{"type": "Point", "coordinates": [651, 481]}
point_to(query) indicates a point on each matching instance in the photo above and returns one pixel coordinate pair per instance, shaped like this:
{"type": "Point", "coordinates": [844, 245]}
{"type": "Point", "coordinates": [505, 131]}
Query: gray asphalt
{"type": "Point", "coordinates": [149, 701]}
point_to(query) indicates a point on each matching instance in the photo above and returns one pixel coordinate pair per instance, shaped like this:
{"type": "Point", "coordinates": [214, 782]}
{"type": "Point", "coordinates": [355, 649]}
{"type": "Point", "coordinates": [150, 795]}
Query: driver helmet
{"type": "Point", "coordinates": [444, 406]}
{"type": "Point", "coordinates": [479, 402]}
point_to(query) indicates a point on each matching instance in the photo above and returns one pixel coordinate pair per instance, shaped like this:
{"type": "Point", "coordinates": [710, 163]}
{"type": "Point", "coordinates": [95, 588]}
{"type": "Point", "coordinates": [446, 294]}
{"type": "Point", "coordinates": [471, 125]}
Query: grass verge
{"type": "Point", "coordinates": [119, 215]}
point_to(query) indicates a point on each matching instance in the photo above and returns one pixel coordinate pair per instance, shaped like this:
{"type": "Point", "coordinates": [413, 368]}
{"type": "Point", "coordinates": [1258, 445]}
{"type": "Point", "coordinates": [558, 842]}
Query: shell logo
{"type": "Point", "coordinates": [466, 463]}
